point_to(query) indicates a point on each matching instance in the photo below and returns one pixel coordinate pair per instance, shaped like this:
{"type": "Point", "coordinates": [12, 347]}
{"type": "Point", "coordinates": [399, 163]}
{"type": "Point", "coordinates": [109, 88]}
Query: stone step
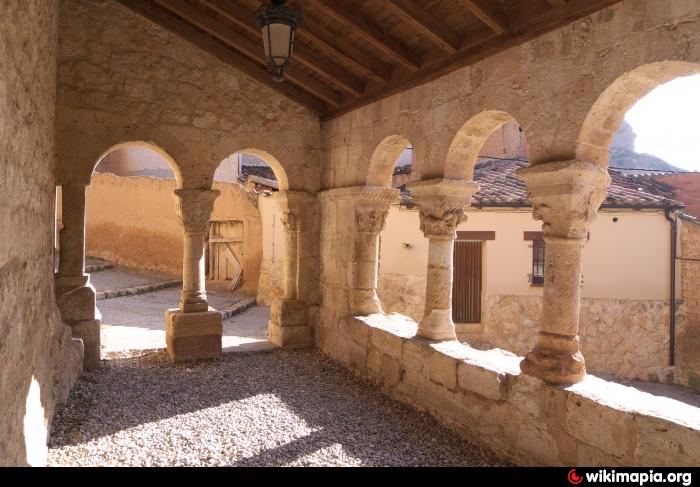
{"type": "Point", "coordinates": [91, 269]}
{"type": "Point", "coordinates": [237, 307]}
{"type": "Point", "coordinates": [131, 291]}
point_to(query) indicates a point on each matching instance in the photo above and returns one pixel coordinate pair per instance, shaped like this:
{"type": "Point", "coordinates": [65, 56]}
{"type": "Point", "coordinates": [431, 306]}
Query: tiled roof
{"type": "Point", "coordinates": [256, 170]}
{"type": "Point", "coordinates": [500, 187]}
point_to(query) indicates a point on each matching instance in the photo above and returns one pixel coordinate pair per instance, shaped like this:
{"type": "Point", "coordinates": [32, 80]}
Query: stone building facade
{"type": "Point", "coordinates": [568, 89]}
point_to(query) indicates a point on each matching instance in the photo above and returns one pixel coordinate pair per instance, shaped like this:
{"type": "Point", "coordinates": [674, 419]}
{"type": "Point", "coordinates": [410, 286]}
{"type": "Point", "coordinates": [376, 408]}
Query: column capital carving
{"type": "Point", "coordinates": [365, 194]}
{"type": "Point", "coordinates": [371, 219]}
{"type": "Point", "coordinates": [442, 204]}
{"type": "Point", "coordinates": [565, 196]}
{"type": "Point", "coordinates": [194, 208]}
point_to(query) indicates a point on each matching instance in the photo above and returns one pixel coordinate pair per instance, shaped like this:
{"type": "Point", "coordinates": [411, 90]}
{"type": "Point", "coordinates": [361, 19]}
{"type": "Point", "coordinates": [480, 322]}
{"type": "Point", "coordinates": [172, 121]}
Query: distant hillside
{"type": "Point", "coordinates": [628, 159]}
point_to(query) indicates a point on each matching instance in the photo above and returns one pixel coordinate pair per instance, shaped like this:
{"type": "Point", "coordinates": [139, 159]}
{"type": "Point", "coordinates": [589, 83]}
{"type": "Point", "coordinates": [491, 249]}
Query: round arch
{"type": "Point", "coordinates": [464, 149]}
{"type": "Point", "coordinates": [270, 160]}
{"type": "Point", "coordinates": [608, 111]}
{"type": "Point", "coordinates": [383, 160]}
{"type": "Point", "coordinates": [143, 145]}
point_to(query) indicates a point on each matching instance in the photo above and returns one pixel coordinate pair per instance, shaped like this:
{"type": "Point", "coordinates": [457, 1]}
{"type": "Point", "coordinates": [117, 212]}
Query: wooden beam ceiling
{"type": "Point", "coordinates": [345, 58]}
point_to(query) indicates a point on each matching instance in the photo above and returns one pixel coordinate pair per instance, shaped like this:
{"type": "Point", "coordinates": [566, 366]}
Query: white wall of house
{"type": "Point", "coordinates": [627, 259]}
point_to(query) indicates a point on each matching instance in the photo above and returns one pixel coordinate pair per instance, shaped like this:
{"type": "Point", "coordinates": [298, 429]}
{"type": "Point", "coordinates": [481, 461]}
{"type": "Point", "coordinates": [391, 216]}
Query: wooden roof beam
{"type": "Point", "coordinates": [368, 32]}
{"type": "Point", "coordinates": [425, 24]}
{"type": "Point", "coordinates": [147, 9]}
{"type": "Point", "coordinates": [302, 54]}
{"type": "Point", "coordinates": [235, 40]}
{"type": "Point", "coordinates": [480, 10]}
{"type": "Point", "coordinates": [557, 3]}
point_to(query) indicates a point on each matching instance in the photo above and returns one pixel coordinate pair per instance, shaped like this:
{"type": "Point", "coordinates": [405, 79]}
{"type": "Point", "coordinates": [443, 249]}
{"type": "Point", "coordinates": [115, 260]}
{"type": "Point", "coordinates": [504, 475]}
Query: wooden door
{"type": "Point", "coordinates": [225, 249]}
{"type": "Point", "coordinates": [466, 282]}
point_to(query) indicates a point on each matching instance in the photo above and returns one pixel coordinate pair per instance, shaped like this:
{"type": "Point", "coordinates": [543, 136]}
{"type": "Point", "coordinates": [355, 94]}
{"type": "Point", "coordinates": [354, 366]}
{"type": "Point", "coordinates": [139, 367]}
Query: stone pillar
{"type": "Point", "coordinates": [442, 207]}
{"type": "Point", "coordinates": [289, 319]}
{"type": "Point", "coordinates": [193, 331]}
{"type": "Point", "coordinates": [371, 209]}
{"type": "Point", "coordinates": [75, 296]}
{"type": "Point", "coordinates": [566, 197]}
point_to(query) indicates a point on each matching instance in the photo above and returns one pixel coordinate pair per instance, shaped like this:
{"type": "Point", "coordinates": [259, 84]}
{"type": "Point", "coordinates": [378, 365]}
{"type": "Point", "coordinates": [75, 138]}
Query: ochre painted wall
{"type": "Point", "coordinates": [132, 220]}
{"type": "Point", "coordinates": [627, 259]}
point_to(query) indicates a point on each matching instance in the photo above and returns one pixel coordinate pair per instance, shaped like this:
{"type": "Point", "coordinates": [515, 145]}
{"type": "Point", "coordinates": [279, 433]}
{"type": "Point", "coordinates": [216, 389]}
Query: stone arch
{"type": "Point", "coordinates": [384, 158]}
{"type": "Point", "coordinates": [151, 146]}
{"type": "Point", "coordinates": [464, 149]}
{"type": "Point", "coordinates": [608, 111]}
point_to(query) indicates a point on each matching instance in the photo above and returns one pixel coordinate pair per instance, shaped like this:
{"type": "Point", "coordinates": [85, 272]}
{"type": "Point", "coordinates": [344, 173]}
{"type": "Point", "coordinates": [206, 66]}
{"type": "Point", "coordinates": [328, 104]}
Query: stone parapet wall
{"type": "Point", "coordinates": [484, 396]}
{"type": "Point", "coordinates": [624, 337]}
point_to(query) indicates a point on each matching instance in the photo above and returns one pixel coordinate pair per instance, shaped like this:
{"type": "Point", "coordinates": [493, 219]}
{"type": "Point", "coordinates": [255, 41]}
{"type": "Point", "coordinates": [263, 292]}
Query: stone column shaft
{"type": "Point", "coordinates": [194, 207]}
{"type": "Point", "coordinates": [371, 207]}
{"type": "Point", "coordinates": [71, 266]}
{"type": "Point", "coordinates": [289, 317]}
{"type": "Point", "coordinates": [290, 221]}
{"type": "Point", "coordinates": [566, 197]}
{"type": "Point", "coordinates": [442, 207]}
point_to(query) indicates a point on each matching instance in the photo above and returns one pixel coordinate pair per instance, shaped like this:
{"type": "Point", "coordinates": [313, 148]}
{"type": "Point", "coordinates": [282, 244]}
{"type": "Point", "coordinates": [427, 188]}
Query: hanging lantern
{"type": "Point", "coordinates": [278, 23]}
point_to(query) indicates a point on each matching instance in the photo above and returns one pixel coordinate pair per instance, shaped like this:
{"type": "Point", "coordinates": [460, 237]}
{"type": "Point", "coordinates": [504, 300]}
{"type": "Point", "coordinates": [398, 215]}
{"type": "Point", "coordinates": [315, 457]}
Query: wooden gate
{"type": "Point", "coordinates": [225, 251]}
{"type": "Point", "coordinates": [466, 286]}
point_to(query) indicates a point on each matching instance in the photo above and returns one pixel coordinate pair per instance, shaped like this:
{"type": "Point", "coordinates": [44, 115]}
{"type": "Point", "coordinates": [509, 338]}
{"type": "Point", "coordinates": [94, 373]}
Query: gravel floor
{"type": "Point", "coordinates": [270, 408]}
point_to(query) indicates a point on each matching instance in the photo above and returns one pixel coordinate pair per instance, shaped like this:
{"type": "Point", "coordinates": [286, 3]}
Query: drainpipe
{"type": "Point", "coordinates": [672, 322]}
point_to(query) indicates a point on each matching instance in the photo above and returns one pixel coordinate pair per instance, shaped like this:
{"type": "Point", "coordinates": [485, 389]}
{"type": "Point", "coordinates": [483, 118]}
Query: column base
{"type": "Point", "coordinates": [192, 336]}
{"type": "Point", "coordinates": [78, 304]}
{"type": "Point", "coordinates": [365, 302]}
{"type": "Point", "coordinates": [437, 326]}
{"type": "Point", "coordinates": [89, 332]}
{"type": "Point", "coordinates": [556, 359]}
{"type": "Point", "coordinates": [289, 325]}
{"type": "Point", "coordinates": [64, 284]}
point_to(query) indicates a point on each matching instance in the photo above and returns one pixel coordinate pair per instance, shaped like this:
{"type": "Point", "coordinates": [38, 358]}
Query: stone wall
{"type": "Point", "coordinates": [627, 338]}
{"type": "Point", "coordinates": [39, 360]}
{"type": "Point", "coordinates": [483, 395]}
{"type": "Point", "coordinates": [688, 331]}
{"type": "Point", "coordinates": [402, 293]}
{"type": "Point", "coordinates": [122, 78]}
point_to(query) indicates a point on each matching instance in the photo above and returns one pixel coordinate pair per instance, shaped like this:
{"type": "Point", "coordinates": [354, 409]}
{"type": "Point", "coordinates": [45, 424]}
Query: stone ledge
{"type": "Point", "coordinates": [483, 395]}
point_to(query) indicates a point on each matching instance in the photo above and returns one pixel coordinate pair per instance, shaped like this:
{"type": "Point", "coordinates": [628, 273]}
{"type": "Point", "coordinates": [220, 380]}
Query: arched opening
{"type": "Point", "coordinates": [245, 247]}
{"type": "Point", "coordinates": [132, 245]}
{"type": "Point", "coordinates": [642, 129]}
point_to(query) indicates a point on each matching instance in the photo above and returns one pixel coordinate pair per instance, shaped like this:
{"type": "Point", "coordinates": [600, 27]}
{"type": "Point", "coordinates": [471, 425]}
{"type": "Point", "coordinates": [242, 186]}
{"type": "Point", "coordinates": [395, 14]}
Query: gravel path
{"type": "Point", "coordinates": [271, 408]}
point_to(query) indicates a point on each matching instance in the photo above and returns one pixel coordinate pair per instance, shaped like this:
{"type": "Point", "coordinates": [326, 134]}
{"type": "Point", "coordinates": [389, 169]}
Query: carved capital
{"type": "Point", "coordinates": [565, 196]}
{"type": "Point", "coordinates": [194, 207]}
{"type": "Point", "coordinates": [370, 194]}
{"type": "Point", "coordinates": [443, 205]}
{"type": "Point", "coordinates": [371, 219]}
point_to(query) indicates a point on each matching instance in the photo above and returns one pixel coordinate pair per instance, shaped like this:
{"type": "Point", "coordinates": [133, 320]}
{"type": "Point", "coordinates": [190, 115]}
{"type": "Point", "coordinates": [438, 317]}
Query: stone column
{"type": "Point", "coordinates": [71, 265]}
{"type": "Point", "coordinates": [193, 331]}
{"type": "Point", "coordinates": [442, 207]}
{"type": "Point", "coordinates": [371, 209]}
{"type": "Point", "coordinates": [75, 296]}
{"type": "Point", "coordinates": [566, 197]}
{"type": "Point", "coordinates": [289, 318]}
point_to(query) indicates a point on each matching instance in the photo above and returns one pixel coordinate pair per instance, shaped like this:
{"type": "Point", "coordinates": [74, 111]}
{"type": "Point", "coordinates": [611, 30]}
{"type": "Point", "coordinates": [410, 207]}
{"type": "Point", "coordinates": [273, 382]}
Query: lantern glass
{"type": "Point", "coordinates": [278, 40]}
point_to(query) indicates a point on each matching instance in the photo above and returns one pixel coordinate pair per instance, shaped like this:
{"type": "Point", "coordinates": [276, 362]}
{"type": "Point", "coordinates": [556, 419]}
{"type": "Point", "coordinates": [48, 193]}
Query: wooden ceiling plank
{"type": "Point", "coordinates": [347, 53]}
{"type": "Point", "coordinates": [479, 9]}
{"type": "Point", "coordinates": [147, 9]}
{"type": "Point", "coordinates": [368, 32]}
{"type": "Point", "coordinates": [427, 25]}
{"type": "Point", "coordinates": [255, 51]}
{"type": "Point", "coordinates": [519, 33]}
{"type": "Point", "coordinates": [557, 3]}
{"type": "Point", "coordinates": [302, 54]}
